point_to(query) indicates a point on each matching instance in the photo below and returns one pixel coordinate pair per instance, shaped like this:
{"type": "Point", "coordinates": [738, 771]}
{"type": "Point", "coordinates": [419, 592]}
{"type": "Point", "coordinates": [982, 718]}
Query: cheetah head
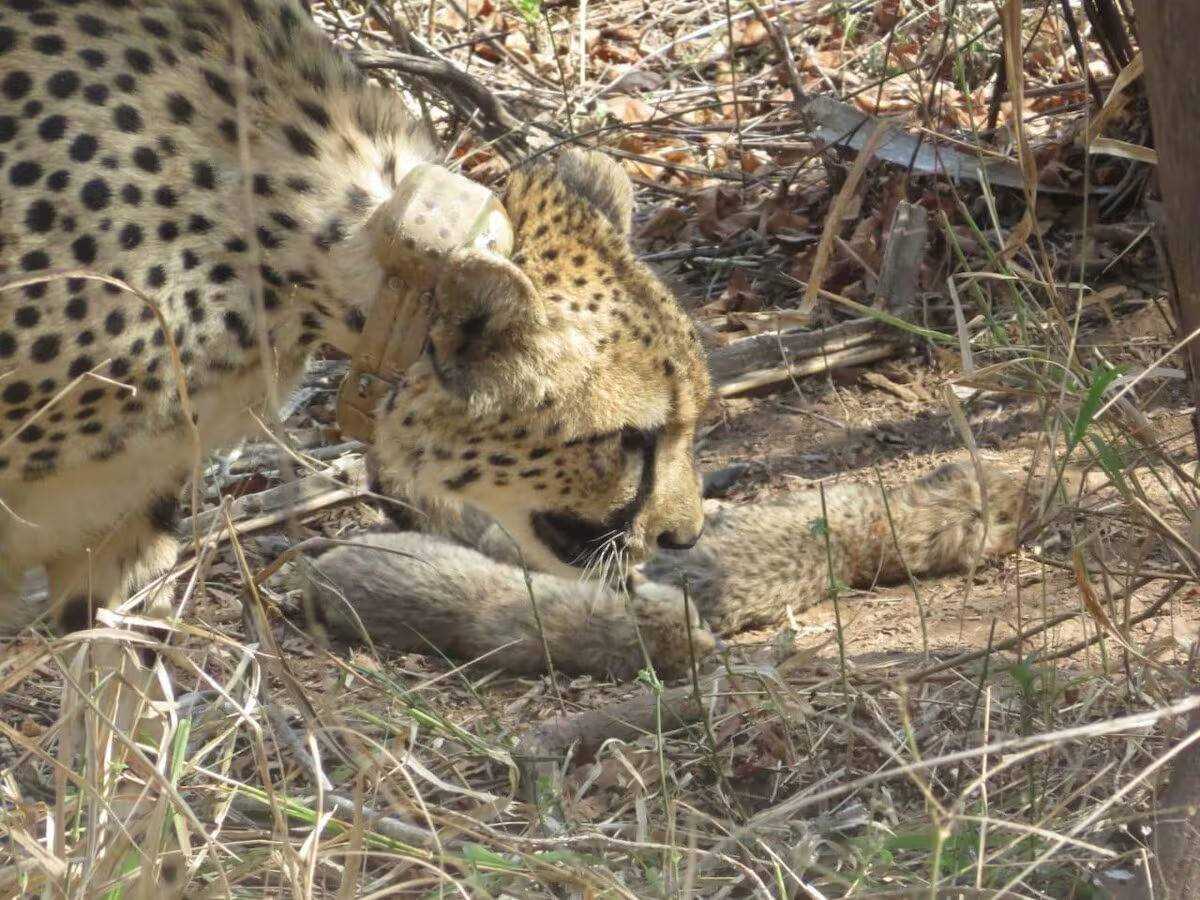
{"type": "Point", "coordinates": [560, 388]}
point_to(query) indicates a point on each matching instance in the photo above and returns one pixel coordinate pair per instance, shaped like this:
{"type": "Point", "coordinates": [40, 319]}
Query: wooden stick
{"type": "Point", "coordinates": [852, 356]}
{"type": "Point", "coordinates": [301, 497]}
{"type": "Point", "coordinates": [899, 276]}
{"type": "Point", "coordinates": [766, 351]}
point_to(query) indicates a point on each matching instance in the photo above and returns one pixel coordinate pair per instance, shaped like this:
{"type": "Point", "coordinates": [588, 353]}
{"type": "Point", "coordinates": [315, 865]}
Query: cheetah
{"type": "Point", "coordinates": [195, 195]}
{"type": "Point", "coordinates": [423, 591]}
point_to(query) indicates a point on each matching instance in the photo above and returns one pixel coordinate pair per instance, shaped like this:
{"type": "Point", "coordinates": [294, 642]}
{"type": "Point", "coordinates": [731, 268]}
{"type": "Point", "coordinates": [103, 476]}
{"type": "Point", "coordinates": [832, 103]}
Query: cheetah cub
{"type": "Point", "coordinates": [423, 591]}
{"type": "Point", "coordinates": [757, 559]}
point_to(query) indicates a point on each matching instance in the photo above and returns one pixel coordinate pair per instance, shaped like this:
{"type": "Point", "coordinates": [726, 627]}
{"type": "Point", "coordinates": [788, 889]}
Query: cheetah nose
{"type": "Point", "coordinates": [671, 540]}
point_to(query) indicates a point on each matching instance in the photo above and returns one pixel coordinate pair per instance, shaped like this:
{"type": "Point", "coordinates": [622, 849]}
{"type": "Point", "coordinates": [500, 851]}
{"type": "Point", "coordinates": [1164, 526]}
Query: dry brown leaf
{"type": "Point", "coordinates": [665, 223]}
{"type": "Point", "coordinates": [720, 213]}
{"type": "Point", "coordinates": [749, 33]}
{"type": "Point", "coordinates": [739, 294]}
{"type": "Point", "coordinates": [608, 52]}
{"type": "Point", "coordinates": [887, 13]}
{"type": "Point", "coordinates": [629, 110]}
{"type": "Point", "coordinates": [753, 160]}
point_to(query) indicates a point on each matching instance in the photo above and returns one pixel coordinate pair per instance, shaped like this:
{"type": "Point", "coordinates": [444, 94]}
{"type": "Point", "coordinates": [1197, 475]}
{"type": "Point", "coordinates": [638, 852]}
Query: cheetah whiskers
{"type": "Point", "coordinates": [600, 564]}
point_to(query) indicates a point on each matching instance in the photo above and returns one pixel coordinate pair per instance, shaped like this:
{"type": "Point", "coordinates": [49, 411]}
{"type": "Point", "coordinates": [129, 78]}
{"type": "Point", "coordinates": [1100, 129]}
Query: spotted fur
{"type": "Point", "coordinates": [758, 560]}
{"type": "Point", "coordinates": [560, 391]}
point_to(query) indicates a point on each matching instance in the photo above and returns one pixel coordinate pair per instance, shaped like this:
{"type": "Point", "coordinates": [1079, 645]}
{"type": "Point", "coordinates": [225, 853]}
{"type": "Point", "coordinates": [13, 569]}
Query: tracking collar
{"type": "Point", "coordinates": [433, 213]}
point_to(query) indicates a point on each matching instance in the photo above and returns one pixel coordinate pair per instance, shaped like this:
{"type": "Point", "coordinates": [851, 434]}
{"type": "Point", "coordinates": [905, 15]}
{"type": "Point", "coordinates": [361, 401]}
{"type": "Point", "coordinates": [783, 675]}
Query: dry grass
{"type": "Point", "coordinates": [270, 766]}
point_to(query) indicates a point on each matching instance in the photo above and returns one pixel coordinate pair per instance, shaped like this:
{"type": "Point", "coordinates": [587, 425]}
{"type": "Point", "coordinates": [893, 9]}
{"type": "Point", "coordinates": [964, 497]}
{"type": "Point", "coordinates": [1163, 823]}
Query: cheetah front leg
{"type": "Point", "coordinates": [142, 547]}
{"type": "Point", "coordinates": [139, 549]}
{"type": "Point", "coordinates": [115, 683]}
{"type": "Point", "coordinates": [11, 617]}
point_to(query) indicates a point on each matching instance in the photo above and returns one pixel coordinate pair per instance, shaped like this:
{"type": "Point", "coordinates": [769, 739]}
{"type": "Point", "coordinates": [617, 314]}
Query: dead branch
{"type": "Point", "coordinates": [823, 359]}
{"type": "Point", "coordinates": [274, 505]}
{"type": "Point", "coordinates": [900, 274]}
{"type": "Point", "coordinates": [466, 93]}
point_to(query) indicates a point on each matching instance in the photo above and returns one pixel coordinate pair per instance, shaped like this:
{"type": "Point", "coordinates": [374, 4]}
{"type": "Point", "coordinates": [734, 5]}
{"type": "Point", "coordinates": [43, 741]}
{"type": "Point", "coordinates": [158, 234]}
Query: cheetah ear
{"type": "Point", "coordinates": [487, 333]}
{"type": "Point", "coordinates": [600, 181]}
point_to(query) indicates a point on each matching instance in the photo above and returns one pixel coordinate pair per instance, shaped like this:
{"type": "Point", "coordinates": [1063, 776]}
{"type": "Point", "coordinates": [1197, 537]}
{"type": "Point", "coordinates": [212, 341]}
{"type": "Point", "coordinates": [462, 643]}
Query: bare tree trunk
{"type": "Point", "coordinates": [1170, 36]}
{"type": "Point", "coordinates": [1176, 865]}
{"type": "Point", "coordinates": [1169, 32]}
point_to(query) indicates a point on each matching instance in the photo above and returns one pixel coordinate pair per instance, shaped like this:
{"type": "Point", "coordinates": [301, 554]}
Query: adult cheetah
{"type": "Point", "coordinates": [231, 174]}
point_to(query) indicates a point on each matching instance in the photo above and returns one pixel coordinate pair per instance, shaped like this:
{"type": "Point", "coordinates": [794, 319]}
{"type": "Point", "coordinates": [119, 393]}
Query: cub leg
{"type": "Point", "coordinates": [758, 559]}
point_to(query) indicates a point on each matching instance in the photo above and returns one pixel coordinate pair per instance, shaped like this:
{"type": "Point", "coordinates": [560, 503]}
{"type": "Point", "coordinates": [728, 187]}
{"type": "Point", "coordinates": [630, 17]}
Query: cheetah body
{"type": "Point", "coordinates": [171, 217]}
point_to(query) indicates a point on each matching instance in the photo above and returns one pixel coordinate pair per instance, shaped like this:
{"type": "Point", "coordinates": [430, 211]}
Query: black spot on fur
{"type": "Point", "coordinates": [238, 327]}
{"type": "Point", "coordinates": [315, 112]}
{"type": "Point", "coordinates": [139, 60]}
{"type": "Point", "coordinates": [300, 141]}
{"type": "Point", "coordinates": [96, 94]}
{"type": "Point", "coordinates": [40, 216]}
{"type": "Point", "coordinates": [130, 236]}
{"type": "Point", "coordinates": [24, 173]}
{"type": "Point", "coordinates": [128, 119]}
{"type": "Point", "coordinates": [204, 176]}
{"type": "Point", "coordinates": [219, 86]}
{"type": "Point", "coordinates": [180, 109]}
{"type": "Point", "coordinates": [48, 44]}
{"type": "Point", "coordinates": [92, 25]}
{"type": "Point", "coordinates": [96, 194]}
{"type": "Point", "coordinates": [52, 128]}
{"type": "Point", "coordinates": [84, 249]}
{"type": "Point", "coordinates": [332, 232]}
{"type": "Point", "coordinates": [146, 159]}
{"type": "Point", "coordinates": [17, 392]}
{"type": "Point", "coordinates": [465, 477]}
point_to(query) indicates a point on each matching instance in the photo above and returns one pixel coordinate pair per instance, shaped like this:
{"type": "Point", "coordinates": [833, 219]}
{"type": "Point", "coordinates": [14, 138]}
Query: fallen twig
{"type": "Point", "coordinates": [495, 122]}
{"type": "Point", "coordinates": [900, 274]}
{"type": "Point", "coordinates": [824, 359]}
{"type": "Point", "coordinates": [270, 507]}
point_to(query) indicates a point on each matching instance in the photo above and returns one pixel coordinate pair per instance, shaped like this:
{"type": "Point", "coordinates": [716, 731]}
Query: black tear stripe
{"type": "Point", "coordinates": [574, 539]}
{"type": "Point", "coordinates": [622, 519]}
